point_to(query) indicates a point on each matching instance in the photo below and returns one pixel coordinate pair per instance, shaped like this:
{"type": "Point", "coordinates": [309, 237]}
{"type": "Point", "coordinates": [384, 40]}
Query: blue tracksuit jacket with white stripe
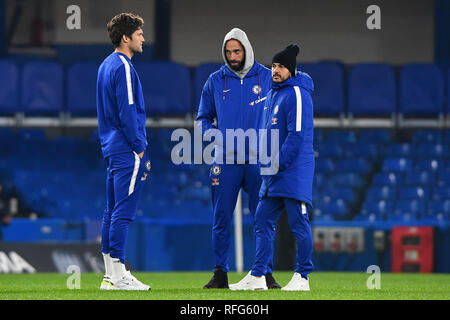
{"type": "Point", "coordinates": [120, 107]}
{"type": "Point", "coordinates": [289, 109]}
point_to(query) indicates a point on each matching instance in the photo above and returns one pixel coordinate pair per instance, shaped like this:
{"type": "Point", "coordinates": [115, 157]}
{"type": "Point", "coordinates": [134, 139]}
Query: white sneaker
{"type": "Point", "coordinates": [297, 283]}
{"type": "Point", "coordinates": [129, 282]}
{"type": "Point", "coordinates": [106, 283]}
{"type": "Point", "coordinates": [250, 282]}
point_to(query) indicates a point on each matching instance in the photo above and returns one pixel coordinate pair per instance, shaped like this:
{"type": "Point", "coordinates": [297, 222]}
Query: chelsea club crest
{"type": "Point", "coordinates": [215, 170]}
{"type": "Point", "coordinates": [256, 89]}
{"type": "Point", "coordinates": [148, 165]}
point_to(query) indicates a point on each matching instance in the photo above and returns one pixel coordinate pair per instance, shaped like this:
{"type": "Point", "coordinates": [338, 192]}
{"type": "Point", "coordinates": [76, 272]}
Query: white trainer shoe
{"type": "Point", "coordinates": [106, 283]}
{"type": "Point", "coordinates": [250, 282]}
{"type": "Point", "coordinates": [129, 282]}
{"type": "Point", "coordinates": [297, 283]}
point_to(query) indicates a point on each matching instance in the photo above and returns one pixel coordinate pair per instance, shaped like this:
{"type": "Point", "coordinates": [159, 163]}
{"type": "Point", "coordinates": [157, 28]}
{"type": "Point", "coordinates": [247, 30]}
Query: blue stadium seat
{"type": "Point", "coordinates": [340, 136]}
{"type": "Point", "coordinates": [416, 207]}
{"type": "Point", "coordinates": [421, 90]}
{"type": "Point", "coordinates": [439, 206]}
{"type": "Point", "coordinates": [9, 88]}
{"type": "Point", "coordinates": [414, 193]}
{"type": "Point", "coordinates": [356, 165]}
{"type": "Point", "coordinates": [387, 179]}
{"type": "Point", "coordinates": [201, 74]}
{"type": "Point", "coordinates": [81, 89]}
{"type": "Point", "coordinates": [319, 180]}
{"type": "Point", "coordinates": [329, 150]}
{"type": "Point", "coordinates": [447, 132]}
{"type": "Point", "coordinates": [432, 150]}
{"type": "Point", "coordinates": [423, 178]}
{"type": "Point", "coordinates": [438, 211]}
{"type": "Point", "coordinates": [166, 87]}
{"type": "Point", "coordinates": [443, 179]}
{"type": "Point", "coordinates": [402, 216]}
{"type": "Point", "coordinates": [448, 96]}
{"type": "Point", "coordinates": [328, 95]}
{"type": "Point", "coordinates": [362, 150]}
{"type": "Point", "coordinates": [324, 165]}
{"type": "Point", "coordinates": [8, 144]}
{"type": "Point", "coordinates": [431, 164]}
{"type": "Point", "coordinates": [372, 90]}
{"type": "Point", "coordinates": [349, 179]}
{"type": "Point", "coordinates": [377, 136]}
{"type": "Point", "coordinates": [377, 193]}
{"type": "Point", "coordinates": [396, 165]}
{"type": "Point", "coordinates": [26, 134]}
{"type": "Point", "coordinates": [42, 88]}
{"type": "Point", "coordinates": [422, 136]}
{"type": "Point", "coordinates": [318, 134]}
{"type": "Point", "coordinates": [378, 208]}
{"type": "Point", "coordinates": [370, 216]}
{"type": "Point", "coordinates": [440, 193]}
{"type": "Point", "coordinates": [400, 150]}
{"type": "Point", "coordinates": [335, 208]}
{"type": "Point", "coordinates": [347, 194]}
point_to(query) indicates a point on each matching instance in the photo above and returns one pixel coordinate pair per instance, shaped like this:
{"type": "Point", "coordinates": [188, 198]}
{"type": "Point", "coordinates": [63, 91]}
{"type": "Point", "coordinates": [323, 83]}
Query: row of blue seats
{"type": "Point", "coordinates": [401, 164]}
{"type": "Point", "coordinates": [405, 211]}
{"type": "Point", "coordinates": [373, 151]}
{"type": "Point", "coordinates": [380, 210]}
{"type": "Point", "coordinates": [170, 88]}
{"type": "Point", "coordinates": [417, 192]}
{"type": "Point", "coordinates": [410, 178]}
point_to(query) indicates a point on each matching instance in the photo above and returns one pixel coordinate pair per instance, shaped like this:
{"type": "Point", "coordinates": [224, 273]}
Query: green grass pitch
{"type": "Point", "coordinates": [188, 286]}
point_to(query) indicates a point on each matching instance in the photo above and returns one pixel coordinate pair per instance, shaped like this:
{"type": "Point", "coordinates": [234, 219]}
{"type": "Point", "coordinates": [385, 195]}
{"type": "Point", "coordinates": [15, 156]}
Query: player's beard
{"type": "Point", "coordinates": [237, 67]}
{"type": "Point", "coordinates": [281, 79]}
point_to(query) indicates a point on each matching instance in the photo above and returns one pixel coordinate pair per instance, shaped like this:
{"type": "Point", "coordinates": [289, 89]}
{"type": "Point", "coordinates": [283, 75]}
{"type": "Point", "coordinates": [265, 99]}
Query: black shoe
{"type": "Point", "coordinates": [218, 281]}
{"type": "Point", "coordinates": [271, 282]}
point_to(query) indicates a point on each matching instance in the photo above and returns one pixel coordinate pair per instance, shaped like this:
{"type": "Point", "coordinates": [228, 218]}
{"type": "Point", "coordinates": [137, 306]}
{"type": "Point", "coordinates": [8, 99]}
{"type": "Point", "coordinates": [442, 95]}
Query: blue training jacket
{"type": "Point", "coordinates": [120, 107]}
{"type": "Point", "coordinates": [289, 109]}
{"type": "Point", "coordinates": [236, 104]}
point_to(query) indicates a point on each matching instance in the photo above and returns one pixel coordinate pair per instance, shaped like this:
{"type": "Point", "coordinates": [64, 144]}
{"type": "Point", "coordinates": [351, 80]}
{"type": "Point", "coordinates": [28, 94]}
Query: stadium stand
{"type": "Point", "coordinates": [167, 88]}
{"type": "Point", "coordinates": [9, 87]}
{"type": "Point", "coordinates": [367, 174]}
{"type": "Point", "coordinates": [421, 90]}
{"type": "Point", "coordinates": [81, 89]}
{"type": "Point", "coordinates": [201, 74]}
{"type": "Point", "coordinates": [328, 95]}
{"type": "Point", "coordinates": [42, 84]}
{"type": "Point", "coordinates": [372, 90]}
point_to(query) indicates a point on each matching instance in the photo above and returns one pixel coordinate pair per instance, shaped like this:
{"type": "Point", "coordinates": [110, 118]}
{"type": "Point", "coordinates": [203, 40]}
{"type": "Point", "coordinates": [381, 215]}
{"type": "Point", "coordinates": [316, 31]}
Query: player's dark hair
{"type": "Point", "coordinates": [123, 24]}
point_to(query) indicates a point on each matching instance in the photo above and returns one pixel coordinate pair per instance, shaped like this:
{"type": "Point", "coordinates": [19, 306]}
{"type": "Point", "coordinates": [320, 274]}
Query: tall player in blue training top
{"type": "Point", "coordinates": [121, 128]}
{"type": "Point", "coordinates": [233, 96]}
{"type": "Point", "coordinates": [289, 111]}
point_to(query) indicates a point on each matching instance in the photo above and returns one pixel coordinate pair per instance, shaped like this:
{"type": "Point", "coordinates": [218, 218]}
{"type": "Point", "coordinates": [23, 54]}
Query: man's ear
{"type": "Point", "coordinates": [125, 38]}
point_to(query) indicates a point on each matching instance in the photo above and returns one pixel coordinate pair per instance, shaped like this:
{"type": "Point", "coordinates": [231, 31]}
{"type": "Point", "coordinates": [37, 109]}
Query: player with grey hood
{"type": "Point", "coordinates": [233, 96]}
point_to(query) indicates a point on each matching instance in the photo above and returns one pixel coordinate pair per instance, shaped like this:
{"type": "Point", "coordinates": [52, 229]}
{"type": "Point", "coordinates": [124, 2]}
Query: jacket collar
{"type": "Point", "coordinates": [228, 73]}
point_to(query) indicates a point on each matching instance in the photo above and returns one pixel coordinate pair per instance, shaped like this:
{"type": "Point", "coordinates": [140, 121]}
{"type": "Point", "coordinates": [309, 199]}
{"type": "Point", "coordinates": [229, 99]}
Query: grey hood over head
{"type": "Point", "coordinates": [238, 34]}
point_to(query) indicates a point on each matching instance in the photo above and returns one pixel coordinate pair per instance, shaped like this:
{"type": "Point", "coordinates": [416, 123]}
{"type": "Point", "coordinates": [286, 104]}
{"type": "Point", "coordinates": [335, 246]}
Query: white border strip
{"type": "Point", "coordinates": [128, 76]}
{"type": "Point", "coordinates": [298, 126]}
{"type": "Point", "coordinates": [137, 162]}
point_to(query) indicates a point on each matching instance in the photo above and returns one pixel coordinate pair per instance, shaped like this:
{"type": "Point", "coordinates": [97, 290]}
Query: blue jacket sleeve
{"type": "Point", "coordinates": [291, 146]}
{"type": "Point", "coordinates": [206, 110]}
{"type": "Point", "coordinates": [127, 108]}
